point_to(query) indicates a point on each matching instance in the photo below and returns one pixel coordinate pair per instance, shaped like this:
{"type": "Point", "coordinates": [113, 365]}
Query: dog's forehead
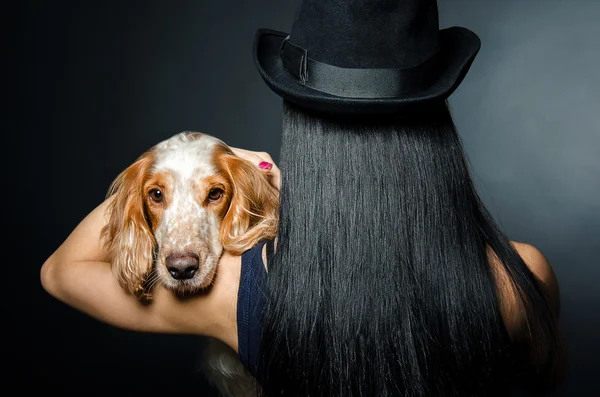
{"type": "Point", "coordinates": [186, 154]}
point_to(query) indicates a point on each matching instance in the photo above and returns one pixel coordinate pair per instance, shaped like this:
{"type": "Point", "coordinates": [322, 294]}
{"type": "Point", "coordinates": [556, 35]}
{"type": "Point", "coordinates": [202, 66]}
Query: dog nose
{"type": "Point", "coordinates": [182, 266]}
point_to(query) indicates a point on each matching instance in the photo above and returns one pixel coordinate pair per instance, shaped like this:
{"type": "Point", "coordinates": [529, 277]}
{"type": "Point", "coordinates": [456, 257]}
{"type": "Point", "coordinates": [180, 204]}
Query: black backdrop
{"type": "Point", "coordinates": [91, 85]}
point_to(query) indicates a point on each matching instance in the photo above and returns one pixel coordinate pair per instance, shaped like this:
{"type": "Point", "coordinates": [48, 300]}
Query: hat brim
{"type": "Point", "coordinates": [458, 48]}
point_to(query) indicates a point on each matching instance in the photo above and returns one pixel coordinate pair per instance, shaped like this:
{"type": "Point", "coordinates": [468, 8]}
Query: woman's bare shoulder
{"type": "Point", "coordinates": [538, 264]}
{"type": "Point", "coordinates": [541, 268]}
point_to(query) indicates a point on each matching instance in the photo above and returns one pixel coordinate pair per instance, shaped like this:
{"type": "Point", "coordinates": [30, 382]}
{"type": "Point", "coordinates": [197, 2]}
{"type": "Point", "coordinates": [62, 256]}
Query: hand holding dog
{"type": "Point", "coordinates": [263, 161]}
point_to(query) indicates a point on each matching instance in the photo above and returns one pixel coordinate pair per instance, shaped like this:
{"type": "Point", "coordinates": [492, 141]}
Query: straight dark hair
{"type": "Point", "coordinates": [381, 284]}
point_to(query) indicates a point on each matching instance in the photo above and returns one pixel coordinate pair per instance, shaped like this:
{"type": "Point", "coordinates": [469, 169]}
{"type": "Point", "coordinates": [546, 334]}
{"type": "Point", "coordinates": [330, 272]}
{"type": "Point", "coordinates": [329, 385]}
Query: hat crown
{"type": "Point", "coordinates": [367, 33]}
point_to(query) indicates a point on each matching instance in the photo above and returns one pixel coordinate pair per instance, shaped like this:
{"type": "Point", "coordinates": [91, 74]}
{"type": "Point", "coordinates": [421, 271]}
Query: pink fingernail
{"type": "Point", "coordinates": [265, 165]}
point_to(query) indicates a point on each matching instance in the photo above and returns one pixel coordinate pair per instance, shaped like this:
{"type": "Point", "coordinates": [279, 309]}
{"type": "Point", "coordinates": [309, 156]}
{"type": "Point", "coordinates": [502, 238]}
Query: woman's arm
{"type": "Point", "coordinates": [78, 274]}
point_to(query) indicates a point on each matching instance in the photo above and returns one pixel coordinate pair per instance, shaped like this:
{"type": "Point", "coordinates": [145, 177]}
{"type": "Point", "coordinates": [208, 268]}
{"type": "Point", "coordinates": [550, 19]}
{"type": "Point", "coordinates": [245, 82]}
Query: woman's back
{"type": "Point", "coordinates": [253, 272]}
{"type": "Point", "coordinates": [386, 243]}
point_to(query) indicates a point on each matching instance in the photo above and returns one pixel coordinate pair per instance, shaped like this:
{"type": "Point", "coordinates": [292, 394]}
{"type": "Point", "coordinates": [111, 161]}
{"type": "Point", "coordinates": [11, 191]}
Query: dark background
{"type": "Point", "coordinates": [91, 85]}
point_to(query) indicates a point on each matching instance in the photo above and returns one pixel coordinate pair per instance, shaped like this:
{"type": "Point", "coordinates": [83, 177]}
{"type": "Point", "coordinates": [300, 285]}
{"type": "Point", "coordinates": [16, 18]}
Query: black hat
{"type": "Point", "coordinates": [365, 56]}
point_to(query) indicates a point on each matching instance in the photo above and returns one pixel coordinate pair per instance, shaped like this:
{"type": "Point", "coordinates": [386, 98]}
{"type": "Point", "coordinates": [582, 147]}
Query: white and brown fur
{"type": "Point", "coordinates": [209, 200]}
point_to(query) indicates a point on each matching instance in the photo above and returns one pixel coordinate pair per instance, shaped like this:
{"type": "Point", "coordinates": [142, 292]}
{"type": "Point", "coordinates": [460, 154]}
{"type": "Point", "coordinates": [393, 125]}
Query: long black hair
{"type": "Point", "coordinates": [381, 284]}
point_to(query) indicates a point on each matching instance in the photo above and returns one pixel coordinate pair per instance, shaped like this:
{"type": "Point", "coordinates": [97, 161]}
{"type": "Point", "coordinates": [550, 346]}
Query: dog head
{"type": "Point", "coordinates": [178, 206]}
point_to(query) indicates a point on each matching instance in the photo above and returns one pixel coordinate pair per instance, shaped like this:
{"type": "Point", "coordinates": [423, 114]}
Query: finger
{"type": "Point", "coordinates": [276, 179]}
{"type": "Point", "coordinates": [273, 172]}
{"type": "Point", "coordinates": [265, 165]}
{"type": "Point", "coordinates": [266, 156]}
{"type": "Point", "coordinates": [264, 161]}
{"type": "Point", "coordinates": [248, 155]}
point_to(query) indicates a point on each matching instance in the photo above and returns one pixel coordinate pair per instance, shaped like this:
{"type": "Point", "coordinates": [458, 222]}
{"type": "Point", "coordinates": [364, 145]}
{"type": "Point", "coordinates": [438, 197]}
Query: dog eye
{"type": "Point", "coordinates": [156, 195]}
{"type": "Point", "coordinates": [215, 194]}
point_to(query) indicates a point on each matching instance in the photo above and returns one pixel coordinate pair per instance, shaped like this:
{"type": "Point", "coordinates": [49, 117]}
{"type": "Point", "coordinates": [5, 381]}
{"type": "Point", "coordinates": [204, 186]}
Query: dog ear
{"type": "Point", "coordinates": [253, 212]}
{"type": "Point", "coordinates": [128, 237]}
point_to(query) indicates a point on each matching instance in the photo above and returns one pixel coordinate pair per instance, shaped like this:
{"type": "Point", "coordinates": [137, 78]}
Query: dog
{"type": "Point", "coordinates": [175, 210]}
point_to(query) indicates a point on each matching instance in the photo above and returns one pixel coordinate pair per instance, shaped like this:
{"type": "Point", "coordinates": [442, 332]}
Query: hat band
{"type": "Point", "coordinates": [356, 82]}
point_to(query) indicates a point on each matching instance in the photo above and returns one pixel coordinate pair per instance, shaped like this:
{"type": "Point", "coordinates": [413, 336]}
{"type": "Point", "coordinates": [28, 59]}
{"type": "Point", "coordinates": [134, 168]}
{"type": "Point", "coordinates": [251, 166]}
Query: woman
{"type": "Point", "coordinates": [389, 277]}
